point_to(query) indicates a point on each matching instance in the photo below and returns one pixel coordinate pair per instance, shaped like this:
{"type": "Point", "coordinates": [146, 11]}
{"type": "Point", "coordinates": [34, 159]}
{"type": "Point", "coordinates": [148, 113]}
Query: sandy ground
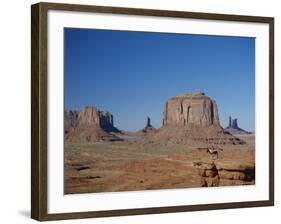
{"type": "Point", "coordinates": [138, 165]}
{"type": "Point", "coordinates": [250, 139]}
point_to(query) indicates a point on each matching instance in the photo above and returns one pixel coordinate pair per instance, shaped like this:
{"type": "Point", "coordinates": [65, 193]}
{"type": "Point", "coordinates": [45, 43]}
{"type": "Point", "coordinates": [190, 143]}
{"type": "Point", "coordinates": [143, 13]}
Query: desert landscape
{"type": "Point", "coordinates": [189, 150]}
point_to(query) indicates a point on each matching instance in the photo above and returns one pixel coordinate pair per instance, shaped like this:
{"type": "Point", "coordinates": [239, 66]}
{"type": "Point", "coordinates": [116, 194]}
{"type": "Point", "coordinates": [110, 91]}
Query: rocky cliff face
{"type": "Point", "coordinates": [230, 168]}
{"type": "Point", "coordinates": [192, 119]}
{"type": "Point", "coordinates": [70, 120]}
{"type": "Point", "coordinates": [89, 124]}
{"type": "Point", "coordinates": [195, 109]}
{"type": "Point", "coordinates": [91, 116]}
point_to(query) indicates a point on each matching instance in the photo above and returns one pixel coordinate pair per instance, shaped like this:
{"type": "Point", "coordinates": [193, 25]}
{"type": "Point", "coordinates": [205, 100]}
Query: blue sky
{"type": "Point", "coordinates": [132, 74]}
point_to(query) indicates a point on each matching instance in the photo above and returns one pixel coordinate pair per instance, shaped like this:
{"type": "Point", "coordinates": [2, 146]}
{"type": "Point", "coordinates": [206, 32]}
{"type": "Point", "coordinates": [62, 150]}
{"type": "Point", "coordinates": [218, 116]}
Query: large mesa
{"type": "Point", "coordinates": [192, 119]}
{"type": "Point", "coordinates": [191, 109]}
{"type": "Point", "coordinates": [89, 125]}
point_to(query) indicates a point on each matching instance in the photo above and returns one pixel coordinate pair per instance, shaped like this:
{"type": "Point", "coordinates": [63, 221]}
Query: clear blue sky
{"type": "Point", "coordinates": [132, 74]}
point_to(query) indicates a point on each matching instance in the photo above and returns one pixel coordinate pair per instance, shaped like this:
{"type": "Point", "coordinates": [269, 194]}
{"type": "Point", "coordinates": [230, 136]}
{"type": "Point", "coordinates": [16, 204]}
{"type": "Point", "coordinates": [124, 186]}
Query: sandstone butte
{"type": "Point", "coordinates": [89, 125]}
{"type": "Point", "coordinates": [148, 128]}
{"type": "Point", "coordinates": [191, 109]}
{"type": "Point", "coordinates": [233, 127]}
{"type": "Point", "coordinates": [192, 119]}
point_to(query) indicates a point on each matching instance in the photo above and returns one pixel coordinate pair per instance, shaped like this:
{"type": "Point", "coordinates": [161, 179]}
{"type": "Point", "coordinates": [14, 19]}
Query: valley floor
{"type": "Point", "coordinates": [134, 165]}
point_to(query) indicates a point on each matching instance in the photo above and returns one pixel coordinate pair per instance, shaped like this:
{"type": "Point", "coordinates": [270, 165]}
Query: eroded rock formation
{"type": "Point", "coordinates": [191, 109]}
{"type": "Point", "coordinates": [148, 127]}
{"type": "Point", "coordinates": [70, 120]}
{"type": "Point", "coordinates": [89, 124]}
{"type": "Point", "coordinates": [192, 119]}
{"type": "Point", "coordinates": [225, 172]}
{"type": "Point", "coordinates": [92, 116]}
{"type": "Point", "coordinates": [233, 127]}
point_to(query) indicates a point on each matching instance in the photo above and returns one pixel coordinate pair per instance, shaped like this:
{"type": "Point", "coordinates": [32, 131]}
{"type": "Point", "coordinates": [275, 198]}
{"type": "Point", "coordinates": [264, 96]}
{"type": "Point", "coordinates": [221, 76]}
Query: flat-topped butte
{"type": "Point", "coordinates": [192, 95]}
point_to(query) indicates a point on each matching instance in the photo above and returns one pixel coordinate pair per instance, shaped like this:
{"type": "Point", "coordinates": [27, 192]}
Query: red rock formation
{"type": "Point", "coordinates": [90, 125]}
{"type": "Point", "coordinates": [233, 127]}
{"type": "Point", "coordinates": [192, 119]}
{"type": "Point", "coordinates": [148, 127]}
{"type": "Point", "coordinates": [225, 172]}
{"type": "Point", "coordinates": [191, 109]}
{"type": "Point", "coordinates": [70, 120]}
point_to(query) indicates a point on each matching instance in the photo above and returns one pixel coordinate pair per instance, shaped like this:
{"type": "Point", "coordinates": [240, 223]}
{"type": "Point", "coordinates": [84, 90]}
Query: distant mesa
{"type": "Point", "coordinates": [89, 125]}
{"type": "Point", "coordinates": [191, 109]}
{"type": "Point", "coordinates": [192, 118]}
{"type": "Point", "coordinates": [148, 127]}
{"type": "Point", "coordinates": [233, 127]}
{"type": "Point", "coordinates": [90, 116]}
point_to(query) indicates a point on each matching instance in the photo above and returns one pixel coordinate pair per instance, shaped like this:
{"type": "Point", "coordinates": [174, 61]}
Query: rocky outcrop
{"type": "Point", "coordinates": [192, 119]}
{"type": "Point", "coordinates": [90, 116]}
{"type": "Point", "coordinates": [191, 109]}
{"type": "Point", "coordinates": [225, 172]}
{"type": "Point", "coordinates": [89, 124]}
{"type": "Point", "coordinates": [148, 127]}
{"type": "Point", "coordinates": [70, 120]}
{"type": "Point", "coordinates": [233, 127]}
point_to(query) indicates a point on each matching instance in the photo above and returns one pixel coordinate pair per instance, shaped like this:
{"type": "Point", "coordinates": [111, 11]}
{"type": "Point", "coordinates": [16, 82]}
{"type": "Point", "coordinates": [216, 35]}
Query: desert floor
{"type": "Point", "coordinates": [136, 164]}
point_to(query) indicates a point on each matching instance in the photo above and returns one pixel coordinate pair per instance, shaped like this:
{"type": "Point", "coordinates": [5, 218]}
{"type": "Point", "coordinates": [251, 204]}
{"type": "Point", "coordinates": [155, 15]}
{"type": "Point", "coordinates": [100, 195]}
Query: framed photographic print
{"type": "Point", "coordinates": [141, 111]}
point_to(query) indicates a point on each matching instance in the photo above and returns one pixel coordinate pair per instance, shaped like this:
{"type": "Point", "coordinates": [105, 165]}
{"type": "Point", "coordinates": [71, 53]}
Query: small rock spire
{"type": "Point", "coordinates": [233, 123]}
{"type": "Point", "coordinates": [230, 122]}
{"type": "Point", "coordinates": [148, 122]}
